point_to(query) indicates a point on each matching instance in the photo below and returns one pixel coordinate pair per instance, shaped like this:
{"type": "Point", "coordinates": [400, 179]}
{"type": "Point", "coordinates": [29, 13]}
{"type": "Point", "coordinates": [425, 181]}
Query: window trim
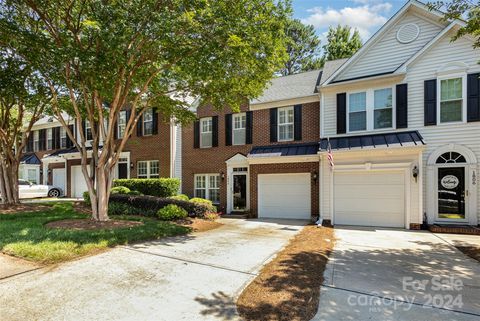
{"type": "Point", "coordinates": [286, 124]}
{"type": "Point", "coordinates": [202, 132]}
{"type": "Point", "coordinates": [207, 185]}
{"type": "Point", "coordinates": [462, 75]}
{"type": "Point", "coordinates": [239, 129]}
{"type": "Point", "coordinates": [122, 112]}
{"type": "Point", "coordinates": [148, 110]}
{"type": "Point", "coordinates": [370, 109]}
{"type": "Point", "coordinates": [149, 166]}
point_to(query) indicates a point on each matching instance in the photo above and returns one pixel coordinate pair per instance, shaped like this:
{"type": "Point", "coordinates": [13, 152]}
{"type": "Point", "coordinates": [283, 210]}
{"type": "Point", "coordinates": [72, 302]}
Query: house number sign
{"type": "Point", "coordinates": [449, 181]}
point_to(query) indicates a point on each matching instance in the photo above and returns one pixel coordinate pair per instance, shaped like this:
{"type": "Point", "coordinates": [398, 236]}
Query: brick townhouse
{"type": "Point", "coordinates": [248, 161]}
{"type": "Point", "coordinates": [51, 158]}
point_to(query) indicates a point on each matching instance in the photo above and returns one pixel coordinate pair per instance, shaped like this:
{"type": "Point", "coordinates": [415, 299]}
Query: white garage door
{"type": "Point", "coordinates": [370, 198]}
{"type": "Point", "coordinates": [284, 196]}
{"type": "Point", "coordinates": [78, 182]}
{"type": "Point", "coordinates": [58, 178]}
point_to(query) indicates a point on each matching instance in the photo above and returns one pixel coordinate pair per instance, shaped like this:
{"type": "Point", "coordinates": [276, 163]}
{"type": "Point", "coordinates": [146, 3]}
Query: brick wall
{"type": "Point", "coordinates": [212, 160]}
{"type": "Point", "coordinates": [308, 167]}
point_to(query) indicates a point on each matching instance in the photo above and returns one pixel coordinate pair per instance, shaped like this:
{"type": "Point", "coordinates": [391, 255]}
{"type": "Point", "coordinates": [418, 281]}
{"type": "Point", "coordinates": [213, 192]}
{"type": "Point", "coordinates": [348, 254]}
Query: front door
{"type": "Point", "coordinates": [451, 194]}
{"type": "Point", "coordinates": [239, 192]}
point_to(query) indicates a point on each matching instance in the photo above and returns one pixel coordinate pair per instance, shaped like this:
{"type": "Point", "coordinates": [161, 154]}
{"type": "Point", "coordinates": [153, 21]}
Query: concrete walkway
{"type": "Point", "coordinates": [384, 274]}
{"type": "Point", "coordinates": [194, 277]}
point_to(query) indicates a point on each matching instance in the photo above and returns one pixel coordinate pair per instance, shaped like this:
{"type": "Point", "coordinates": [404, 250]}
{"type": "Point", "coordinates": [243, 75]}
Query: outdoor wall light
{"type": "Point", "coordinates": [222, 175]}
{"type": "Point", "coordinates": [314, 176]}
{"type": "Point", "coordinates": [49, 171]}
{"type": "Point", "coordinates": [415, 172]}
{"type": "Point", "coordinates": [131, 165]}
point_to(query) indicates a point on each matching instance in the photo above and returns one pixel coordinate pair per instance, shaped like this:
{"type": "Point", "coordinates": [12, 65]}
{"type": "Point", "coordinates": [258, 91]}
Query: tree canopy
{"type": "Point", "coordinates": [341, 43]}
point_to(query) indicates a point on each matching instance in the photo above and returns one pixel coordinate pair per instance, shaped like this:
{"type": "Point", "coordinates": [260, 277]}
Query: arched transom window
{"type": "Point", "coordinates": [451, 158]}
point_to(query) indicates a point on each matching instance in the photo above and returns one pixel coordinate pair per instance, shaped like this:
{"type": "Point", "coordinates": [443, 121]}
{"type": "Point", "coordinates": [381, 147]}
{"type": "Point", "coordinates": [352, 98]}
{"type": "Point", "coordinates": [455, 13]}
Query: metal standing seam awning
{"type": "Point", "coordinates": [285, 150]}
{"type": "Point", "coordinates": [373, 141]}
{"type": "Point", "coordinates": [30, 159]}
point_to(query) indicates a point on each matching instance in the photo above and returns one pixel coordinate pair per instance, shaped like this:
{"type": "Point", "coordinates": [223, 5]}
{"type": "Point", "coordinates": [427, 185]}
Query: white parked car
{"type": "Point", "coordinates": [30, 190]}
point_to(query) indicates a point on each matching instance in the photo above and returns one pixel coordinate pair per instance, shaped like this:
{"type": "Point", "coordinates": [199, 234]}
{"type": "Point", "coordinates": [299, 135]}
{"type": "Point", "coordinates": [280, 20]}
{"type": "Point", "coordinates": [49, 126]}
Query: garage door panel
{"type": "Point", "coordinates": [284, 196]}
{"type": "Point", "coordinates": [370, 198]}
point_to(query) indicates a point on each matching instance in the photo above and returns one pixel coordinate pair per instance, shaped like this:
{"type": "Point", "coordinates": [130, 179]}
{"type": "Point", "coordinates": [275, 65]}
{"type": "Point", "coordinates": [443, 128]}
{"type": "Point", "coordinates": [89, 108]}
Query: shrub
{"type": "Point", "coordinates": [171, 212]}
{"type": "Point", "coordinates": [117, 208]}
{"type": "Point", "coordinates": [211, 216]}
{"type": "Point", "coordinates": [120, 190]}
{"type": "Point", "coordinates": [86, 198]}
{"type": "Point", "coordinates": [180, 197]}
{"type": "Point", "coordinates": [205, 202]}
{"type": "Point", "coordinates": [149, 204]}
{"type": "Point", "coordinates": [161, 187]}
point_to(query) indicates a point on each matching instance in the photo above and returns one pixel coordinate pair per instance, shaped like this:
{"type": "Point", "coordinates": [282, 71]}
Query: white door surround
{"type": "Point", "coordinates": [237, 162]}
{"type": "Point", "coordinates": [471, 181]}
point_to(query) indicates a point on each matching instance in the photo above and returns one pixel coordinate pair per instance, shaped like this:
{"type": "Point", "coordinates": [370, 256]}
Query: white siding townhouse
{"type": "Point", "coordinates": [402, 117]}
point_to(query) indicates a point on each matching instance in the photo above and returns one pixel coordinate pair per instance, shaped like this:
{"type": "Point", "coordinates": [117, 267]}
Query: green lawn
{"type": "Point", "coordinates": [24, 235]}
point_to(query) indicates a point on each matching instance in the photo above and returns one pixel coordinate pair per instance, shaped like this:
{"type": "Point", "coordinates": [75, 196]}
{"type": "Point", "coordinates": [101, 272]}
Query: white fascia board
{"type": "Point", "coordinates": [364, 79]}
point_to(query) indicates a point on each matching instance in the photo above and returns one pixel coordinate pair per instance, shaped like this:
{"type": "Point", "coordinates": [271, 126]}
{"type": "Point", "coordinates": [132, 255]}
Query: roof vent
{"type": "Point", "coordinates": [408, 33]}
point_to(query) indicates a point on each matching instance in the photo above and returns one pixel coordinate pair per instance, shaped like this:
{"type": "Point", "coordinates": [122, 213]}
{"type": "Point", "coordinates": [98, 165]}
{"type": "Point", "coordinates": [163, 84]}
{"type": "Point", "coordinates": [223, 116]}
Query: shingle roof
{"type": "Point", "coordinates": [30, 159]}
{"type": "Point", "coordinates": [400, 139]}
{"type": "Point", "coordinates": [330, 67]}
{"type": "Point", "coordinates": [285, 150]}
{"type": "Point", "coordinates": [288, 87]}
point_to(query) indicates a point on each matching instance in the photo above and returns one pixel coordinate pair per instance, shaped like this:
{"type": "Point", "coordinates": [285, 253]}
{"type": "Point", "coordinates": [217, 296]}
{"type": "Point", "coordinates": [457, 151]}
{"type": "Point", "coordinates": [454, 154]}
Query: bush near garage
{"type": "Point", "coordinates": [180, 197]}
{"type": "Point", "coordinates": [151, 204]}
{"type": "Point", "coordinates": [123, 190]}
{"type": "Point", "coordinates": [207, 203]}
{"type": "Point", "coordinates": [160, 187]}
{"type": "Point", "coordinates": [171, 212]}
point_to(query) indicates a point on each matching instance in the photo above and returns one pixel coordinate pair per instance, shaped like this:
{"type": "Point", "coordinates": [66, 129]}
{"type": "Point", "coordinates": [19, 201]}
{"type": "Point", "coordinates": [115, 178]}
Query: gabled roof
{"type": "Point", "coordinates": [30, 159]}
{"type": "Point", "coordinates": [393, 20]}
{"type": "Point", "coordinates": [290, 87]}
{"type": "Point", "coordinates": [330, 67]}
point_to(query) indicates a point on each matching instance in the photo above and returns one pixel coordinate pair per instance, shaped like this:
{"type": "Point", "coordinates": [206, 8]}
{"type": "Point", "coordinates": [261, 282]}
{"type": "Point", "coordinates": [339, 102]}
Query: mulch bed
{"type": "Point", "coordinates": [472, 251]}
{"type": "Point", "coordinates": [13, 209]}
{"type": "Point", "coordinates": [199, 225]}
{"type": "Point", "coordinates": [89, 224]}
{"type": "Point", "coordinates": [288, 288]}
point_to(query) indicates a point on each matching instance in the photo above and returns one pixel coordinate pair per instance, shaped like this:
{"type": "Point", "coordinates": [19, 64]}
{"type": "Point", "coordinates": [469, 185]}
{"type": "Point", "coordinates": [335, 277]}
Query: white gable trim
{"type": "Point", "coordinates": [379, 33]}
{"type": "Point", "coordinates": [430, 44]}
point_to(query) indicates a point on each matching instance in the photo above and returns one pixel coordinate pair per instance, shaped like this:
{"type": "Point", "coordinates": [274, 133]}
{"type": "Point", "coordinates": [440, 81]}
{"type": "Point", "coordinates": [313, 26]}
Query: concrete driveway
{"type": "Point", "coordinates": [384, 274]}
{"type": "Point", "coordinates": [194, 277]}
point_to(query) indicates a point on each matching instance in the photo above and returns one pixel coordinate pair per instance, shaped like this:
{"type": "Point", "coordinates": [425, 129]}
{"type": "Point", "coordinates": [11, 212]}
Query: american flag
{"type": "Point", "coordinates": [330, 155]}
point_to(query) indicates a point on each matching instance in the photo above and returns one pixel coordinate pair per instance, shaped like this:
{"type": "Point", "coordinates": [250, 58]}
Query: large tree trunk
{"type": "Point", "coordinates": [99, 196]}
{"type": "Point", "coordinates": [9, 181]}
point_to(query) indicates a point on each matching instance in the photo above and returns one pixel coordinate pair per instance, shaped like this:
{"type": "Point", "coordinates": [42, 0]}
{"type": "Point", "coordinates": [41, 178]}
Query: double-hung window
{"type": "Point", "coordinates": [63, 137]}
{"type": "Point", "coordinates": [206, 132]}
{"type": "Point", "coordinates": [239, 128]}
{"type": "Point", "coordinates": [208, 186]}
{"type": "Point", "coordinates": [285, 123]}
{"type": "Point", "coordinates": [88, 130]}
{"type": "Point", "coordinates": [148, 122]}
{"type": "Point", "coordinates": [451, 100]}
{"type": "Point", "coordinates": [122, 123]}
{"type": "Point", "coordinates": [370, 110]}
{"type": "Point", "coordinates": [382, 108]}
{"type": "Point", "coordinates": [148, 169]}
{"type": "Point", "coordinates": [36, 141]}
{"type": "Point", "coordinates": [49, 138]}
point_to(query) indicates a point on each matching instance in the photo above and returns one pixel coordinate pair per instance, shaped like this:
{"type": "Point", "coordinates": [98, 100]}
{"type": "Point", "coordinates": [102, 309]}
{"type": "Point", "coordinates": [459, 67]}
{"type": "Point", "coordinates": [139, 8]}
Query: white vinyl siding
{"type": "Point", "coordinates": [285, 124]}
{"type": "Point", "coordinates": [148, 169]}
{"type": "Point", "coordinates": [387, 54]}
{"type": "Point", "coordinates": [206, 133]}
{"type": "Point", "coordinates": [239, 125]}
{"type": "Point", "coordinates": [207, 186]}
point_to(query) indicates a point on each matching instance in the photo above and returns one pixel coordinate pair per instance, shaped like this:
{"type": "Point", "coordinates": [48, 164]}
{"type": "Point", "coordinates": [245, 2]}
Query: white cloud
{"type": "Point", "coordinates": [366, 17]}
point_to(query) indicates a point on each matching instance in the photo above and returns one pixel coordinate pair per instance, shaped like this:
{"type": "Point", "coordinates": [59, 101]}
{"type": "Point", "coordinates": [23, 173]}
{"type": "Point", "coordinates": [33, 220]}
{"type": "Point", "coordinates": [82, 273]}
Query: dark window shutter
{"type": "Point", "coordinates": [430, 102]}
{"type": "Point", "coordinates": [42, 138]}
{"type": "Point", "coordinates": [273, 125]}
{"type": "Point", "coordinates": [341, 113]}
{"type": "Point", "coordinates": [140, 126]}
{"type": "Point", "coordinates": [214, 131]}
{"type": "Point", "coordinates": [228, 129]}
{"type": "Point", "coordinates": [196, 134]}
{"type": "Point", "coordinates": [297, 127]}
{"type": "Point", "coordinates": [401, 103]}
{"type": "Point", "coordinates": [69, 141]}
{"type": "Point", "coordinates": [249, 130]}
{"type": "Point", "coordinates": [29, 148]}
{"type": "Point", "coordinates": [56, 138]}
{"type": "Point", "coordinates": [155, 122]}
{"type": "Point", "coordinates": [473, 97]}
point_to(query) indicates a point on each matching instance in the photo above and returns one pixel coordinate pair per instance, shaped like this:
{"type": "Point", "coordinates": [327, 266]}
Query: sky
{"type": "Point", "coordinates": [365, 15]}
